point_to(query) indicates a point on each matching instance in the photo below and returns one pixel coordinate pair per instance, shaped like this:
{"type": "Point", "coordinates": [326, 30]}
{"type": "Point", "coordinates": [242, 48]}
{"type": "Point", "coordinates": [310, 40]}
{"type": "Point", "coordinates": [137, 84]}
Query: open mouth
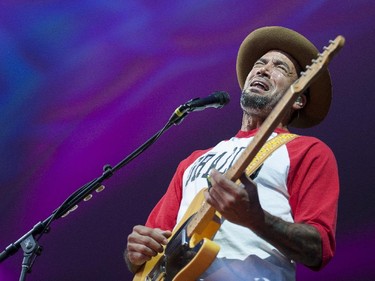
{"type": "Point", "coordinates": [259, 85]}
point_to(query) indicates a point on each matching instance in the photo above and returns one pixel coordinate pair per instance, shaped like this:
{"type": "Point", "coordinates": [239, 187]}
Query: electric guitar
{"type": "Point", "coordinates": [190, 250]}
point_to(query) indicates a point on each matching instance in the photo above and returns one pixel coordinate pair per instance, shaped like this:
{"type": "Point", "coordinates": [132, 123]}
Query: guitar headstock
{"type": "Point", "coordinates": [322, 59]}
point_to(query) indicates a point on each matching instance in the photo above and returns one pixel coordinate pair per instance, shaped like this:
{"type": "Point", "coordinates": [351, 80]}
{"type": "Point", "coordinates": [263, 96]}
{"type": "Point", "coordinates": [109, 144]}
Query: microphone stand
{"type": "Point", "coordinates": [29, 242]}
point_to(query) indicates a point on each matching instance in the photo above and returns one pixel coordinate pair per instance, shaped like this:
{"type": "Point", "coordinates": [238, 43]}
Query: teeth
{"type": "Point", "coordinates": [259, 85]}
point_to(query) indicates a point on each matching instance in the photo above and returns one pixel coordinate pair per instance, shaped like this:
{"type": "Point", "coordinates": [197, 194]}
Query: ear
{"type": "Point", "coordinates": [300, 102]}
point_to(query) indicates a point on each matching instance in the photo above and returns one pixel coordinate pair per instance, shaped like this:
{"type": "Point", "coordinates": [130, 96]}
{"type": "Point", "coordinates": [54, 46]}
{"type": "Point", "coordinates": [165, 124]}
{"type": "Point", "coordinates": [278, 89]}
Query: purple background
{"type": "Point", "coordinates": [84, 83]}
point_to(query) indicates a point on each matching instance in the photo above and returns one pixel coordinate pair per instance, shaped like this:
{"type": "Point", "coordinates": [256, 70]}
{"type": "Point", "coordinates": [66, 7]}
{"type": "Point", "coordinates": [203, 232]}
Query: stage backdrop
{"type": "Point", "coordinates": [84, 83]}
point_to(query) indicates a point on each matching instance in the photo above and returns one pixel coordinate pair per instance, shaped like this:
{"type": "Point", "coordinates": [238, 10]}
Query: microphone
{"type": "Point", "coordinates": [216, 100]}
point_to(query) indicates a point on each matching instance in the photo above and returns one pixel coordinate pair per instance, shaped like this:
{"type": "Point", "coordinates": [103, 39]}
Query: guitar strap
{"type": "Point", "coordinates": [266, 150]}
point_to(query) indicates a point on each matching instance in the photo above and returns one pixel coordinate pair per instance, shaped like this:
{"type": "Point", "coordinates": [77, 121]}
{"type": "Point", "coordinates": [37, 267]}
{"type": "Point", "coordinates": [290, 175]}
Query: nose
{"type": "Point", "coordinates": [264, 70]}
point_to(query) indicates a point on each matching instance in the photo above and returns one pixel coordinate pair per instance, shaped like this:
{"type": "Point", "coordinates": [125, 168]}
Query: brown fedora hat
{"type": "Point", "coordinates": [264, 39]}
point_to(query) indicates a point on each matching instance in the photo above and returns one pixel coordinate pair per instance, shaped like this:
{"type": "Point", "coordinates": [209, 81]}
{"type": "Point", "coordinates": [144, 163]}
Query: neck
{"type": "Point", "coordinates": [251, 122]}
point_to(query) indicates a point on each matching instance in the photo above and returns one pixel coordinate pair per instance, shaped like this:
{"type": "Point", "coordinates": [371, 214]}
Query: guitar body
{"type": "Point", "coordinates": [207, 252]}
{"type": "Point", "coordinates": [185, 258]}
{"type": "Point", "coordinates": [180, 266]}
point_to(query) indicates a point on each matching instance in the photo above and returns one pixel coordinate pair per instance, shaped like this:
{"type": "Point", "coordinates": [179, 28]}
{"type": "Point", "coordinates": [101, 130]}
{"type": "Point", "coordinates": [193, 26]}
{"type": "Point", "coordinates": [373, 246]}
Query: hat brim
{"type": "Point", "coordinates": [265, 39]}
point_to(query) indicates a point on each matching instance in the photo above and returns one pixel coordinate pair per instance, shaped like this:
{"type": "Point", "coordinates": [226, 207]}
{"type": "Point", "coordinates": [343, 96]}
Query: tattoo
{"type": "Point", "coordinates": [299, 242]}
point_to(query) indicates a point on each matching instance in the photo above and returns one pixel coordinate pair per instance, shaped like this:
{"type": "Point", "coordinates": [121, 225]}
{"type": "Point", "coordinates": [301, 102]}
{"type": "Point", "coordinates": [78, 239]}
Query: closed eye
{"type": "Point", "coordinates": [283, 68]}
{"type": "Point", "coordinates": [259, 63]}
{"type": "Point", "coordinates": [282, 65]}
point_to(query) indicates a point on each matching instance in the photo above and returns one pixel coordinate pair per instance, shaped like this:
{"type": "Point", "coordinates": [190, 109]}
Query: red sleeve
{"type": "Point", "coordinates": [313, 186]}
{"type": "Point", "coordinates": [164, 214]}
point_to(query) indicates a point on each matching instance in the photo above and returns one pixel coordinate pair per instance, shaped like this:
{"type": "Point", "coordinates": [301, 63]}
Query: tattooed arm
{"type": "Point", "coordinates": [300, 242]}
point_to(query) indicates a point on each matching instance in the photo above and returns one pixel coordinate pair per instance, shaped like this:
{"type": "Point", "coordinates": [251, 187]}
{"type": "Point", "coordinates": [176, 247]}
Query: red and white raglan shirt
{"type": "Point", "coordinates": [297, 183]}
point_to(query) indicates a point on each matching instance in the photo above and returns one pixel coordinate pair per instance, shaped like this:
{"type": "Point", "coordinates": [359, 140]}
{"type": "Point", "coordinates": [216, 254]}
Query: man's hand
{"type": "Point", "coordinates": [237, 204]}
{"type": "Point", "coordinates": [143, 244]}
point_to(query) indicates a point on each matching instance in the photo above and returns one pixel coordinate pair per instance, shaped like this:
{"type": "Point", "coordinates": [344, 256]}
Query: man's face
{"type": "Point", "coordinates": [267, 81]}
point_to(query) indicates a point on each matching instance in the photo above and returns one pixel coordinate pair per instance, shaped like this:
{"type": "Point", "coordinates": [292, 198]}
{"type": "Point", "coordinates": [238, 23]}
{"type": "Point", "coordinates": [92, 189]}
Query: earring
{"type": "Point", "coordinates": [299, 101]}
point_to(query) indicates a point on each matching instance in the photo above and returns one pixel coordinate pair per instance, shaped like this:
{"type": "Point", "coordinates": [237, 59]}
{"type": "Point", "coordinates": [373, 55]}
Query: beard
{"type": "Point", "coordinates": [254, 101]}
{"type": "Point", "coordinates": [261, 105]}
